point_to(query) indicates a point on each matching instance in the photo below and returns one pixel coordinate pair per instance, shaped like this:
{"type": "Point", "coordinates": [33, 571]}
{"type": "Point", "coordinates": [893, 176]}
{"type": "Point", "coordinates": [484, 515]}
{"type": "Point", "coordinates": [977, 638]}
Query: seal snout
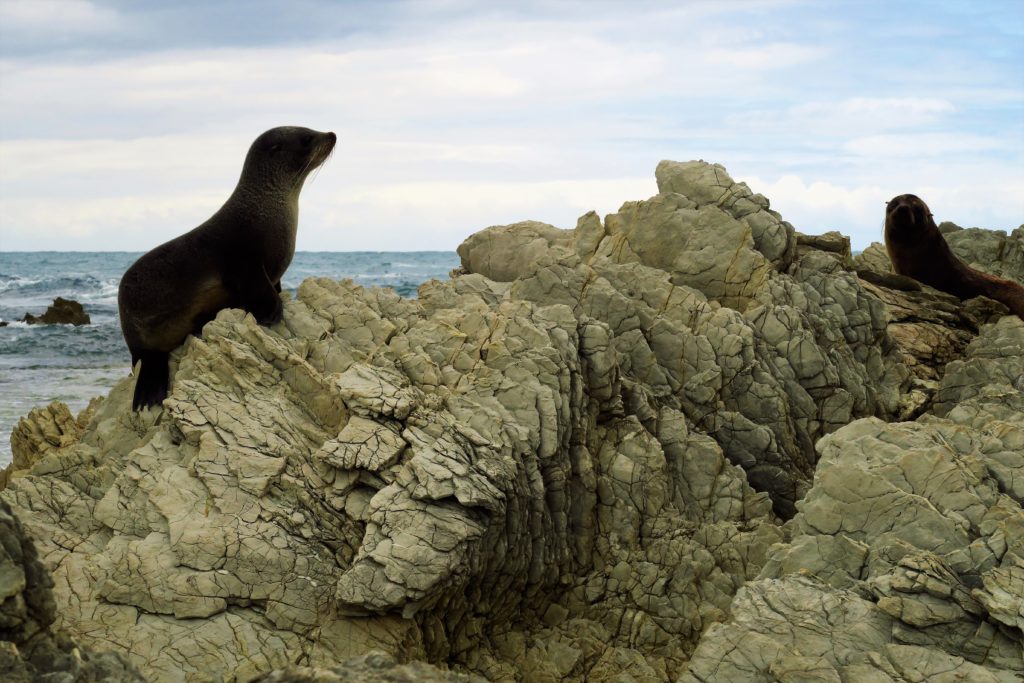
{"type": "Point", "coordinates": [907, 211]}
{"type": "Point", "coordinates": [324, 148]}
{"type": "Point", "coordinates": [902, 214]}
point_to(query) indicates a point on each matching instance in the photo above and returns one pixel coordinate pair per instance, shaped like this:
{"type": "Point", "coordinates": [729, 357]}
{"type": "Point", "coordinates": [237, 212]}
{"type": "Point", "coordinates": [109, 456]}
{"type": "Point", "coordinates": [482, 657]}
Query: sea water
{"type": "Point", "coordinates": [42, 363]}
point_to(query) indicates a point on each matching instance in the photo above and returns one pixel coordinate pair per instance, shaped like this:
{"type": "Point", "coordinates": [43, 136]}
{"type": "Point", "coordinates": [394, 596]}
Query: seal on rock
{"type": "Point", "coordinates": [917, 249]}
{"type": "Point", "coordinates": [233, 260]}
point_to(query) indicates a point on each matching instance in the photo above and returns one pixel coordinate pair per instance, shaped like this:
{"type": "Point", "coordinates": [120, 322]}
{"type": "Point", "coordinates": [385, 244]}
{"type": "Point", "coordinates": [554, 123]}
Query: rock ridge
{"type": "Point", "coordinates": [652, 446]}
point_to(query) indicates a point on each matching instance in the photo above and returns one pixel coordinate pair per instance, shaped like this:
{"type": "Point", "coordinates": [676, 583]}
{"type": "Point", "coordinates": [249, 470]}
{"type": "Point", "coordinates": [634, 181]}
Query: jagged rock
{"type": "Point", "coordinates": [991, 251]}
{"type": "Point", "coordinates": [507, 252]}
{"type": "Point", "coordinates": [30, 649]}
{"type": "Point", "coordinates": [832, 242]}
{"type": "Point", "coordinates": [907, 553]}
{"type": "Point", "coordinates": [375, 667]}
{"type": "Point", "coordinates": [61, 312]}
{"type": "Point", "coordinates": [42, 430]}
{"type": "Point", "coordinates": [560, 465]}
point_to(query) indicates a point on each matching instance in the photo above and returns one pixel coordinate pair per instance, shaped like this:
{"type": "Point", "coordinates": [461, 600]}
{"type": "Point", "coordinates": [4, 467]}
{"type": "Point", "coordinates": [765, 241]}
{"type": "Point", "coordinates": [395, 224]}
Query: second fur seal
{"type": "Point", "coordinates": [917, 249]}
{"type": "Point", "coordinates": [233, 260]}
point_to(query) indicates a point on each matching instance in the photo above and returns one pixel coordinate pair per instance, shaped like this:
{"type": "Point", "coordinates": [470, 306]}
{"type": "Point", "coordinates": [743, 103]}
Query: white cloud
{"type": "Point", "coordinates": [55, 16]}
{"type": "Point", "coordinates": [488, 116]}
{"type": "Point", "coordinates": [857, 115]}
{"type": "Point", "coordinates": [428, 215]}
{"type": "Point", "coordinates": [439, 215]}
{"type": "Point", "coordinates": [761, 57]}
{"type": "Point", "coordinates": [918, 145]}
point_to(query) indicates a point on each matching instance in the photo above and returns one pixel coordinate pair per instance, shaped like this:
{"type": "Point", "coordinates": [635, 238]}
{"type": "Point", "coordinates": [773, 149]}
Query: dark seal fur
{"type": "Point", "coordinates": [917, 249]}
{"type": "Point", "coordinates": [233, 260]}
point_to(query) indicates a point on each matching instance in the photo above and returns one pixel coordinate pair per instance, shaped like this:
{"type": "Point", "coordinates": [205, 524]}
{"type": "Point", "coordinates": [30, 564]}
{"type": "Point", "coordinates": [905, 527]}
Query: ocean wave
{"type": "Point", "coordinates": [9, 282]}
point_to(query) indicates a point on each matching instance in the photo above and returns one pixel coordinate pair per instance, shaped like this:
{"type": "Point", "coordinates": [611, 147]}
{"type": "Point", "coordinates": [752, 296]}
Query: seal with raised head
{"type": "Point", "coordinates": [917, 249]}
{"type": "Point", "coordinates": [233, 260]}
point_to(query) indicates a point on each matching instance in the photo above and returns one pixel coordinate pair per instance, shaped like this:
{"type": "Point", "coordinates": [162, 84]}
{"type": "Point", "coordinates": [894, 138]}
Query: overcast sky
{"type": "Point", "coordinates": [124, 123]}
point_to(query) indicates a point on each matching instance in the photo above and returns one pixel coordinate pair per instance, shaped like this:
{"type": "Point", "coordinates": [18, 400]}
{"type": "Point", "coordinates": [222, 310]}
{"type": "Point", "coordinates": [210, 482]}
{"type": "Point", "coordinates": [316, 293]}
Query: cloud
{"type": "Point", "coordinates": [860, 114]}
{"type": "Point", "coordinates": [400, 216]}
{"type": "Point", "coordinates": [767, 56]}
{"type": "Point", "coordinates": [454, 115]}
{"type": "Point", "coordinates": [917, 145]}
{"type": "Point", "coordinates": [42, 17]}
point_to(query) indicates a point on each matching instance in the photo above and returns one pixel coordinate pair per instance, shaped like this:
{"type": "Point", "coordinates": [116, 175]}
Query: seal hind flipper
{"type": "Point", "coordinates": [152, 381]}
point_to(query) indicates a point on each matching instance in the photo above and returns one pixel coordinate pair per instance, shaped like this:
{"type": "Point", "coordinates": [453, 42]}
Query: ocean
{"type": "Point", "coordinates": [42, 363]}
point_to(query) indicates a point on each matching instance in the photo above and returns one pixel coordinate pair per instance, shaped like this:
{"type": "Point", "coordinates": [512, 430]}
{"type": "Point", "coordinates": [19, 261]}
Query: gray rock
{"type": "Point", "coordinates": [906, 554]}
{"type": "Point", "coordinates": [566, 463]}
{"type": "Point", "coordinates": [30, 648]}
{"type": "Point", "coordinates": [374, 667]}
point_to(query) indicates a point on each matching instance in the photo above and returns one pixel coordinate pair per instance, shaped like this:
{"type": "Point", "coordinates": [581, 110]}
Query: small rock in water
{"type": "Point", "coordinates": [61, 312]}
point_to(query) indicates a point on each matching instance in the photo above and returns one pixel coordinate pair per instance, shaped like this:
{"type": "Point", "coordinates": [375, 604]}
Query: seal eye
{"type": "Point", "coordinates": [306, 139]}
{"type": "Point", "coordinates": [275, 148]}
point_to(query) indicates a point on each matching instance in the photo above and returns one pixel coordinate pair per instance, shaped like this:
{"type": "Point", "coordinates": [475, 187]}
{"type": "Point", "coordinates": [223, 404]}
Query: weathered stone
{"type": "Point", "coordinates": [374, 667]}
{"type": "Point", "coordinates": [61, 312]}
{"type": "Point", "coordinates": [566, 463]}
{"type": "Point", "coordinates": [30, 648]}
{"type": "Point", "coordinates": [924, 518]}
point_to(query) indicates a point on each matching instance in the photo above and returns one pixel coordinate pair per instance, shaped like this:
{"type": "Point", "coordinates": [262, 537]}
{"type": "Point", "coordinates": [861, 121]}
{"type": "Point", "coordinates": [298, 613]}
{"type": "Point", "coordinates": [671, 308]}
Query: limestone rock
{"type": "Point", "coordinates": [991, 251]}
{"type": "Point", "coordinates": [906, 554]}
{"type": "Point", "coordinates": [374, 667]}
{"type": "Point", "coordinates": [832, 242]}
{"type": "Point", "coordinates": [61, 312]}
{"type": "Point", "coordinates": [507, 252]}
{"type": "Point", "coordinates": [710, 184]}
{"type": "Point", "coordinates": [569, 462]}
{"type": "Point", "coordinates": [42, 430]}
{"type": "Point", "coordinates": [30, 649]}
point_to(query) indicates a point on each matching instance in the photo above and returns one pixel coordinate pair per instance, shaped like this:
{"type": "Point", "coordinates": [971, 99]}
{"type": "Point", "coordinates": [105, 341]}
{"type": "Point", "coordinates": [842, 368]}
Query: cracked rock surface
{"type": "Point", "coordinates": [570, 462]}
{"type": "Point", "coordinates": [906, 559]}
{"type": "Point", "coordinates": [30, 648]}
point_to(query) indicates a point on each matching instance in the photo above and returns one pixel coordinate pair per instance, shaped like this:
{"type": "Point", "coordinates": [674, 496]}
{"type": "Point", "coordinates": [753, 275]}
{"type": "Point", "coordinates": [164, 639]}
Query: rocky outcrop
{"type": "Point", "coordinates": [907, 556]}
{"type": "Point", "coordinates": [569, 462]}
{"type": "Point", "coordinates": [375, 667]}
{"type": "Point", "coordinates": [30, 648]}
{"type": "Point", "coordinates": [61, 312]}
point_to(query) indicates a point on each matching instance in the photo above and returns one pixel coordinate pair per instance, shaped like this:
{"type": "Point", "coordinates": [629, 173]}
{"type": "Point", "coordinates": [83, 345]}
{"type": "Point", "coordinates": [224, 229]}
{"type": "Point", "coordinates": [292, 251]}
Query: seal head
{"type": "Point", "coordinates": [235, 259]}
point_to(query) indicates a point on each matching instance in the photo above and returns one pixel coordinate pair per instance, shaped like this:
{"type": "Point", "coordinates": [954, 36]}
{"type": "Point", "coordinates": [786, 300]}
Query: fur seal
{"type": "Point", "coordinates": [917, 249]}
{"type": "Point", "coordinates": [233, 260]}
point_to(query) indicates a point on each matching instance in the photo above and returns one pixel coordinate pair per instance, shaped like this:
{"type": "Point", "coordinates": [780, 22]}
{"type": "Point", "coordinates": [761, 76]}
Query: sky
{"type": "Point", "coordinates": [124, 123]}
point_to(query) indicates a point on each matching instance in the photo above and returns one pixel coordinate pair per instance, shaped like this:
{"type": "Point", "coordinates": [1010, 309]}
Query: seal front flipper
{"type": "Point", "coordinates": [251, 288]}
{"type": "Point", "coordinates": [152, 381]}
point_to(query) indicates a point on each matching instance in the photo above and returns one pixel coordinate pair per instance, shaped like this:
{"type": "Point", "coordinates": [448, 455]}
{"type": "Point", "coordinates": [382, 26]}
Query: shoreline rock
{"type": "Point", "coordinates": [30, 648]}
{"type": "Point", "coordinates": [61, 312]}
{"type": "Point", "coordinates": [574, 460]}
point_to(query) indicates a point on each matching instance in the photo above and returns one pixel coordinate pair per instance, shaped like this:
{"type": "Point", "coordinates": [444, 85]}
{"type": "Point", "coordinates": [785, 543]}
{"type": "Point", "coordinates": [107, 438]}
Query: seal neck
{"type": "Point", "coordinates": [262, 198]}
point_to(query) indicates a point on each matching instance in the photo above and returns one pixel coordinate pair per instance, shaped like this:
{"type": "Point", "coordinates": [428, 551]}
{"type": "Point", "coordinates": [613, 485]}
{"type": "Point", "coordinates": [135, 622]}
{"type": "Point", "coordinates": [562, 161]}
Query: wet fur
{"type": "Point", "coordinates": [233, 260]}
{"type": "Point", "coordinates": [917, 249]}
